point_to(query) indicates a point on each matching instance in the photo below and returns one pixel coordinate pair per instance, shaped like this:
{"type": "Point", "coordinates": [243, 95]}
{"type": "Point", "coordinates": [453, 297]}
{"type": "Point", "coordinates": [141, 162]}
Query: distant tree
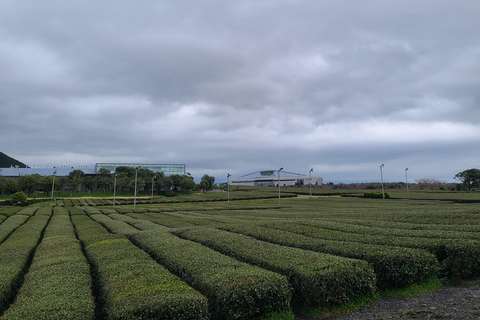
{"type": "Point", "coordinates": [470, 178]}
{"type": "Point", "coordinates": [89, 182]}
{"type": "Point", "coordinates": [176, 180]}
{"type": "Point", "coordinates": [11, 186]}
{"type": "Point", "coordinates": [45, 184]}
{"type": "Point", "coordinates": [75, 180]}
{"type": "Point", "coordinates": [104, 180]}
{"type": "Point", "coordinates": [209, 180]}
{"type": "Point", "coordinates": [187, 184]}
{"type": "Point", "coordinates": [204, 185]}
{"type": "Point", "coordinates": [28, 183]}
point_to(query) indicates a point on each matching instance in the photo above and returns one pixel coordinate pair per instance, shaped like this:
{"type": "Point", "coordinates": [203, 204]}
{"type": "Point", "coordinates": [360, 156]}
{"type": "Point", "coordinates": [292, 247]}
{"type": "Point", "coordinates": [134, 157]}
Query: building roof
{"type": "Point", "coordinates": [60, 172]}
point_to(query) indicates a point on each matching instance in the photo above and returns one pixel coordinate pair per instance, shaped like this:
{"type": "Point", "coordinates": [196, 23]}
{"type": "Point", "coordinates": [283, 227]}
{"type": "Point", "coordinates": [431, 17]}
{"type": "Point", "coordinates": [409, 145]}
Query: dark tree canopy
{"type": "Point", "coordinates": [470, 178]}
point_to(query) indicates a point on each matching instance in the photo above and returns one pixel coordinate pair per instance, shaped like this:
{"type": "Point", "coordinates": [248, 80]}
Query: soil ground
{"type": "Point", "coordinates": [446, 303]}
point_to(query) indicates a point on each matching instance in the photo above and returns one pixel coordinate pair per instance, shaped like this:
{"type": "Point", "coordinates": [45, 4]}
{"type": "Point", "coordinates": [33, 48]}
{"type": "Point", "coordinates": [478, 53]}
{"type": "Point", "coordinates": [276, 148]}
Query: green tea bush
{"type": "Point", "coordinates": [140, 224]}
{"type": "Point", "coordinates": [131, 284]}
{"type": "Point", "coordinates": [58, 283]}
{"type": "Point", "coordinates": [235, 290]}
{"type": "Point", "coordinates": [114, 226]}
{"type": "Point", "coordinates": [10, 224]}
{"type": "Point", "coordinates": [15, 254]}
{"type": "Point", "coordinates": [393, 266]}
{"type": "Point", "coordinates": [318, 279]}
{"type": "Point", "coordinates": [437, 246]}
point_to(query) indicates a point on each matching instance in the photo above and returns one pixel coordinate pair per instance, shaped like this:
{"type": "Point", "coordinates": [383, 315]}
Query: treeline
{"type": "Point", "coordinates": [123, 180]}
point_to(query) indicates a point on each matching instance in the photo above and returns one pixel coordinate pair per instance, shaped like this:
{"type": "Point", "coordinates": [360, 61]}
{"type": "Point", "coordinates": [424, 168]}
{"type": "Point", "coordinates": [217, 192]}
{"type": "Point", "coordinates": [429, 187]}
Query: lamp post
{"type": "Point", "coordinates": [153, 179]}
{"type": "Point", "coordinates": [310, 172]}
{"type": "Point", "coordinates": [228, 187]}
{"type": "Point", "coordinates": [279, 185]}
{"type": "Point", "coordinates": [114, 188]}
{"type": "Point", "coordinates": [135, 192]}
{"type": "Point", "coordinates": [53, 183]}
{"type": "Point", "coordinates": [406, 177]}
{"type": "Point", "coordinates": [381, 175]}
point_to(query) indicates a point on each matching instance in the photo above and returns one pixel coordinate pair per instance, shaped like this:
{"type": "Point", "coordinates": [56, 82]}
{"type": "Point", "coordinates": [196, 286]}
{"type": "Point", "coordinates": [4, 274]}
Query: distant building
{"type": "Point", "coordinates": [63, 171]}
{"type": "Point", "coordinates": [268, 178]}
{"type": "Point", "coordinates": [167, 169]}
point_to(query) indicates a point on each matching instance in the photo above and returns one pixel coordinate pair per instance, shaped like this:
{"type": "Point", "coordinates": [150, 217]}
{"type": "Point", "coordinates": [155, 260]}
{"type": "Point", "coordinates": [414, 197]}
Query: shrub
{"type": "Point", "coordinates": [19, 199]}
{"type": "Point", "coordinates": [375, 195]}
{"type": "Point", "coordinates": [170, 193]}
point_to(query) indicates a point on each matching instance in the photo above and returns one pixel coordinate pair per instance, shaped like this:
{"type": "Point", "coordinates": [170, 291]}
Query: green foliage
{"type": "Point", "coordinates": [58, 284]}
{"type": "Point", "coordinates": [19, 199]}
{"type": "Point", "coordinates": [376, 195]}
{"type": "Point", "coordinates": [394, 267]}
{"type": "Point", "coordinates": [470, 178]}
{"type": "Point", "coordinates": [317, 279]}
{"type": "Point", "coordinates": [131, 284]}
{"type": "Point", "coordinates": [234, 290]}
{"type": "Point", "coordinates": [15, 254]}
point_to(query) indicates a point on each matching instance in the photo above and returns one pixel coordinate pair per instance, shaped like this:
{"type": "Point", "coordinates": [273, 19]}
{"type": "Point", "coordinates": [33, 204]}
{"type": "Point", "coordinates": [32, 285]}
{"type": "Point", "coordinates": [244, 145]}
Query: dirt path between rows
{"type": "Point", "coordinates": [447, 303]}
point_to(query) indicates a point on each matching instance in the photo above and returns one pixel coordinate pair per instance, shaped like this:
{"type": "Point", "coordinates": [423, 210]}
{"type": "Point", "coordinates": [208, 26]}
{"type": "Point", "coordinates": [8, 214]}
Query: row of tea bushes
{"type": "Point", "coordinates": [317, 279]}
{"type": "Point", "coordinates": [131, 284]}
{"type": "Point", "coordinates": [235, 290]}
{"type": "Point", "coordinates": [392, 230]}
{"type": "Point", "coordinates": [58, 282]}
{"type": "Point", "coordinates": [393, 266]}
{"type": "Point", "coordinates": [11, 224]}
{"type": "Point", "coordinates": [410, 225]}
{"type": "Point", "coordinates": [114, 226]}
{"type": "Point", "coordinates": [452, 253]}
{"type": "Point", "coordinates": [16, 253]}
{"type": "Point", "coordinates": [139, 224]}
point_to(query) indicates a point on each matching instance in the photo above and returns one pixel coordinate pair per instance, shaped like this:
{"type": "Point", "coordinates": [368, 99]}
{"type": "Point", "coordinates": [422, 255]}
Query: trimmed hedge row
{"type": "Point", "coordinates": [131, 284]}
{"type": "Point", "coordinates": [114, 226]}
{"type": "Point", "coordinates": [409, 225]}
{"type": "Point", "coordinates": [318, 279]}
{"type": "Point", "coordinates": [235, 290]}
{"type": "Point", "coordinates": [392, 230]}
{"type": "Point", "coordinates": [393, 266]}
{"type": "Point", "coordinates": [9, 211]}
{"type": "Point", "coordinates": [15, 254]}
{"type": "Point", "coordinates": [449, 252]}
{"type": "Point", "coordinates": [58, 283]}
{"type": "Point", "coordinates": [10, 224]}
{"type": "Point", "coordinates": [140, 224]}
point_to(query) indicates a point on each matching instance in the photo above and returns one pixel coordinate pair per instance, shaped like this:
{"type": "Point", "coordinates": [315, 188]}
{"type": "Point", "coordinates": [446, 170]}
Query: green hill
{"type": "Point", "coordinates": [6, 161]}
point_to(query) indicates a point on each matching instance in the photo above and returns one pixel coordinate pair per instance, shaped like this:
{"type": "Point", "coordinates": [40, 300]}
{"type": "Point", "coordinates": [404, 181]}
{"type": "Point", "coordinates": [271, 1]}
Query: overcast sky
{"type": "Point", "coordinates": [241, 86]}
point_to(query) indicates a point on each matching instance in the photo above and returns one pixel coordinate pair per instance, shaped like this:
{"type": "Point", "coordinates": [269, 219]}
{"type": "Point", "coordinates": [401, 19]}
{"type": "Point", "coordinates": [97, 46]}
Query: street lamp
{"type": "Point", "coordinates": [279, 185]}
{"type": "Point", "coordinates": [135, 193]}
{"type": "Point", "coordinates": [381, 175]}
{"type": "Point", "coordinates": [310, 172]}
{"type": "Point", "coordinates": [53, 183]}
{"type": "Point", "coordinates": [114, 188]}
{"type": "Point", "coordinates": [153, 178]}
{"type": "Point", "coordinates": [406, 177]}
{"type": "Point", "coordinates": [228, 187]}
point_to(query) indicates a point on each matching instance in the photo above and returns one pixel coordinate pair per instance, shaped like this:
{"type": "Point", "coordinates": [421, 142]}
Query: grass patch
{"type": "Point", "coordinates": [338, 310]}
{"type": "Point", "coordinates": [431, 284]}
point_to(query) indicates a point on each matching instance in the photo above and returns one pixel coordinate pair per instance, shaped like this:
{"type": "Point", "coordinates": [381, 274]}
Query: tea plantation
{"type": "Point", "coordinates": [199, 257]}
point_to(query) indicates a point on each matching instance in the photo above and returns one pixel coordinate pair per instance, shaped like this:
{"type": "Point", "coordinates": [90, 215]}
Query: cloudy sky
{"type": "Point", "coordinates": [239, 86]}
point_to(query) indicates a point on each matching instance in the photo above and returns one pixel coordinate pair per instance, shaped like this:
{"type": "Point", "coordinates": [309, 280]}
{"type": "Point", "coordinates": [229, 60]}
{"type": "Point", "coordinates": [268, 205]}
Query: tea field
{"type": "Point", "coordinates": [198, 257]}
